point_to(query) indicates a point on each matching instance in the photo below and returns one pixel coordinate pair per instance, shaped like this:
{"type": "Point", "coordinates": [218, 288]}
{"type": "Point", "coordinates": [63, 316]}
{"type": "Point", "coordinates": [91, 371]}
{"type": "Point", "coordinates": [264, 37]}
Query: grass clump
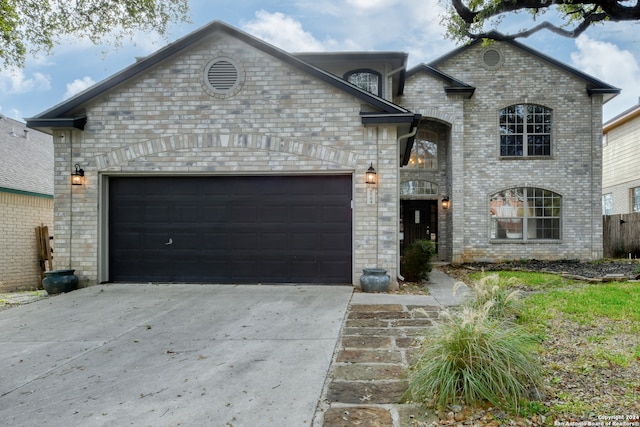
{"type": "Point", "coordinates": [495, 294]}
{"type": "Point", "coordinates": [478, 354]}
{"type": "Point", "coordinates": [416, 260]}
{"type": "Point", "coordinates": [475, 357]}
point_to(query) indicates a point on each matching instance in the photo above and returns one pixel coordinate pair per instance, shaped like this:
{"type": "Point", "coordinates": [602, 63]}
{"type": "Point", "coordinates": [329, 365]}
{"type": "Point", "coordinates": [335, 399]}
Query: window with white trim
{"type": "Point", "coordinates": [525, 130]}
{"type": "Point", "coordinates": [368, 80]}
{"type": "Point", "coordinates": [607, 204]}
{"type": "Point", "coordinates": [635, 199]}
{"type": "Point", "coordinates": [526, 214]}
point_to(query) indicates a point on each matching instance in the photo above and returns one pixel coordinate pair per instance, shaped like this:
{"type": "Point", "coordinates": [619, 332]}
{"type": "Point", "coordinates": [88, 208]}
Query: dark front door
{"type": "Point", "coordinates": [419, 221]}
{"type": "Point", "coordinates": [236, 229]}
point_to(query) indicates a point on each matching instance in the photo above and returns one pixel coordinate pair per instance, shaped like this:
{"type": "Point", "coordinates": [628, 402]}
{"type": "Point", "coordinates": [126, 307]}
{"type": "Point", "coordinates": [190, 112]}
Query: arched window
{"type": "Point", "coordinates": [424, 153]}
{"type": "Point", "coordinates": [368, 80]}
{"type": "Point", "coordinates": [525, 213]}
{"type": "Point", "coordinates": [525, 130]}
{"type": "Point", "coordinates": [418, 188]}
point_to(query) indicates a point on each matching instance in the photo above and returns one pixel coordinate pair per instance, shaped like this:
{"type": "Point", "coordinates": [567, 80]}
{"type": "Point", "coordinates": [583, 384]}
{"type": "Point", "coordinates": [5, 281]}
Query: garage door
{"type": "Point", "coordinates": [236, 229]}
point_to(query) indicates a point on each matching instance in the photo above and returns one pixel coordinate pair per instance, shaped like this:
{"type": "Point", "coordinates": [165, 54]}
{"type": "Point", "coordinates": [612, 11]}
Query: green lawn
{"type": "Point", "coordinates": [590, 342]}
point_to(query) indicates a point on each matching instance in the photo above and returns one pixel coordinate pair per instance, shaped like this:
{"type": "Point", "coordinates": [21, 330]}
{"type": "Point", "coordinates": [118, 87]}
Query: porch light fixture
{"type": "Point", "coordinates": [77, 178]}
{"type": "Point", "coordinates": [446, 203]}
{"type": "Point", "coordinates": [371, 176]}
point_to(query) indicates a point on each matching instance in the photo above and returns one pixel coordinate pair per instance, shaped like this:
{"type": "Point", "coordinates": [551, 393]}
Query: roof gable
{"type": "Point", "coordinates": [69, 113]}
{"type": "Point", "coordinates": [593, 85]}
{"type": "Point", "coordinates": [452, 86]}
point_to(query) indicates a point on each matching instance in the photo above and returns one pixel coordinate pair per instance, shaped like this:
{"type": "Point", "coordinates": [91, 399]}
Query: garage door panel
{"type": "Point", "coordinates": [240, 241]}
{"type": "Point", "coordinates": [274, 213]}
{"type": "Point", "coordinates": [333, 214]}
{"type": "Point", "coordinates": [214, 241]}
{"type": "Point", "coordinates": [187, 213]}
{"type": "Point", "coordinates": [301, 241]}
{"type": "Point", "coordinates": [254, 229]}
{"type": "Point", "coordinates": [334, 241]}
{"type": "Point", "coordinates": [217, 212]}
{"type": "Point", "coordinates": [273, 267]}
{"type": "Point", "coordinates": [156, 212]}
{"type": "Point", "coordinates": [274, 241]}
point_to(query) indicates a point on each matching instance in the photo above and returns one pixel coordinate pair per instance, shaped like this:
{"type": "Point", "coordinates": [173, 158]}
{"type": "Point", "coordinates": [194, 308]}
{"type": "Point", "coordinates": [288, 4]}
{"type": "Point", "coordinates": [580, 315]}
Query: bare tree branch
{"type": "Point", "coordinates": [578, 16]}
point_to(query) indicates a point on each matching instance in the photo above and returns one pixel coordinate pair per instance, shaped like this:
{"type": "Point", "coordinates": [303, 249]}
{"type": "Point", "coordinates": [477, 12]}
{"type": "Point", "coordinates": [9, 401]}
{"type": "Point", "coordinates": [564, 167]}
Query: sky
{"type": "Point", "coordinates": [609, 52]}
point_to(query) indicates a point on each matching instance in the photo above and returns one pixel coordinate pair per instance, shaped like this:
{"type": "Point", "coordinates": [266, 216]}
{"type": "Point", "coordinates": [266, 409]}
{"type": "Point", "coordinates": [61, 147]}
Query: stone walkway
{"type": "Point", "coordinates": [380, 337]}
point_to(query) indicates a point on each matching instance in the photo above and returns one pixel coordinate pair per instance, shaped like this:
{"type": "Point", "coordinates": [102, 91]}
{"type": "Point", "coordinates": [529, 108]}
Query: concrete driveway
{"type": "Point", "coordinates": [168, 355]}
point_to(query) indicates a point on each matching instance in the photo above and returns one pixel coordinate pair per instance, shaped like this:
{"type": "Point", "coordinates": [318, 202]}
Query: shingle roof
{"type": "Point", "coordinates": [26, 159]}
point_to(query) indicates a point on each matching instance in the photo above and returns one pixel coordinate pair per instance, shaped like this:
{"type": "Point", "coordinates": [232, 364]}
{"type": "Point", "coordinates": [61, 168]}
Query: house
{"type": "Point", "coordinates": [223, 159]}
{"type": "Point", "coordinates": [620, 158]}
{"type": "Point", "coordinates": [26, 202]}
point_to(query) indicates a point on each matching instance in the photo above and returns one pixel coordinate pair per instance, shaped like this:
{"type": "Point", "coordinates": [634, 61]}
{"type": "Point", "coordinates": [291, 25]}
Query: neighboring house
{"type": "Point", "coordinates": [26, 202]}
{"type": "Point", "coordinates": [620, 163]}
{"type": "Point", "coordinates": [221, 158]}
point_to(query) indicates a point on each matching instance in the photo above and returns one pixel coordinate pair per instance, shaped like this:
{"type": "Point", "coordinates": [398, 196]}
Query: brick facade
{"type": "Point", "coordinates": [271, 126]}
{"type": "Point", "coordinates": [477, 171]}
{"type": "Point", "coordinates": [19, 263]}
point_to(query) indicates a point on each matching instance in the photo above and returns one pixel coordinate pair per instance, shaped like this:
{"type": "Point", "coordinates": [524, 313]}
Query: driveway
{"type": "Point", "coordinates": [167, 355]}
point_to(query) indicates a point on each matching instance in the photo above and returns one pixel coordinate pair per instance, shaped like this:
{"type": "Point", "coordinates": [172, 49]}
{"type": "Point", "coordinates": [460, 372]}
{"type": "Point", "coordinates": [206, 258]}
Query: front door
{"type": "Point", "coordinates": [419, 221]}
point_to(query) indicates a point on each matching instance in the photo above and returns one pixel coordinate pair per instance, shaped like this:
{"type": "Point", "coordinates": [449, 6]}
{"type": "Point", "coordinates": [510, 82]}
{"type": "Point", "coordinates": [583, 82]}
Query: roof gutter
{"type": "Point", "coordinates": [77, 122]}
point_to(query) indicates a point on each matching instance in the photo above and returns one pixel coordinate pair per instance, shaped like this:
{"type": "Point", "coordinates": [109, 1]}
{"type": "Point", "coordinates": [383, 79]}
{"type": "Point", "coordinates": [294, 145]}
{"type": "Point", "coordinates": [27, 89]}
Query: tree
{"type": "Point", "coordinates": [466, 19]}
{"type": "Point", "coordinates": [33, 26]}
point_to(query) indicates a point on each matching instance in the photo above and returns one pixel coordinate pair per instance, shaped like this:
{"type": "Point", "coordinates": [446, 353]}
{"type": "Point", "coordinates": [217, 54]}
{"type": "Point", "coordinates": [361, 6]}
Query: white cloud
{"type": "Point", "coordinates": [13, 113]}
{"type": "Point", "coordinates": [411, 26]}
{"type": "Point", "coordinates": [369, 4]}
{"type": "Point", "coordinates": [16, 82]}
{"type": "Point", "coordinates": [613, 65]}
{"type": "Point", "coordinates": [284, 32]}
{"type": "Point", "coordinates": [78, 86]}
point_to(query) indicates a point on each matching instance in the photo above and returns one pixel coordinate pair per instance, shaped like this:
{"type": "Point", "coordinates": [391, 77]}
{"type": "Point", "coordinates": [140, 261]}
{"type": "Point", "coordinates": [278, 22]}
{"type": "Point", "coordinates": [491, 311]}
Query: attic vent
{"type": "Point", "coordinates": [223, 76]}
{"type": "Point", "coordinates": [492, 58]}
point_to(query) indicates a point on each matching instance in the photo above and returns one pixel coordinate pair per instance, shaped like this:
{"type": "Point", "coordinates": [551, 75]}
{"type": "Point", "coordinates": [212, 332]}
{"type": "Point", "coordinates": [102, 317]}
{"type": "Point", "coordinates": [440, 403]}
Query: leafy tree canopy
{"type": "Point", "coordinates": [467, 19]}
{"type": "Point", "coordinates": [33, 26]}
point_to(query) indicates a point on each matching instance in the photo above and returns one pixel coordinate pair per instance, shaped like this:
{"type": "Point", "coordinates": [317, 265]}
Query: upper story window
{"type": "Point", "coordinates": [368, 80]}
{"type": "Point", "coordinates": [525, 213]}
{"type": "Point", "coordinates": [424, 153]}
{"type": "Point", "coordinates": [525, 130]}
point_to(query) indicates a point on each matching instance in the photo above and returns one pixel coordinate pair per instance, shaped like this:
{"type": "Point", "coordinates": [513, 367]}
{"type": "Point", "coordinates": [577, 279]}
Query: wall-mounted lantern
{"type": "Point", "coordinates": [371, 178]}
{"type": "Point", "coordinates": [446, 203]}
{"type": "Point", "coordinates": [77, 178]}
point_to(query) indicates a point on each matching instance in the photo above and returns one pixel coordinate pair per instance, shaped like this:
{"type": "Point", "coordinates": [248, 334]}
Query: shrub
{"type": "Point", "coordinates": [416, 260]}
{"type": "Point", "coordinates": [474, 357]}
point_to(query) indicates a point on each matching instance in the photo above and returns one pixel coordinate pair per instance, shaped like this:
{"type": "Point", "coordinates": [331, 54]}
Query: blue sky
{"type": "Point", "coordinates": [609, 52]}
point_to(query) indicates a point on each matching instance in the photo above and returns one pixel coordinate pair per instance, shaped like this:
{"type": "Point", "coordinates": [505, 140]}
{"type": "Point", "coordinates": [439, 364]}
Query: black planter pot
{"type": "Point", "coordinates": [374, 280]}
{"type": "Point", "coordinates": [59, 281]}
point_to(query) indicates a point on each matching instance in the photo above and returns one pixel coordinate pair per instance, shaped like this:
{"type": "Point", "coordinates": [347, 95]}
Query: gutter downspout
{"type": "Point", "coordinates": [400, 138]}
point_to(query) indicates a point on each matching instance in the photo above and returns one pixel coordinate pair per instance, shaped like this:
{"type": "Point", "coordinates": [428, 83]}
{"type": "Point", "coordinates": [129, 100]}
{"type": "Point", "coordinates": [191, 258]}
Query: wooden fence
{"type": "Point", "coordinates": [621, 235]}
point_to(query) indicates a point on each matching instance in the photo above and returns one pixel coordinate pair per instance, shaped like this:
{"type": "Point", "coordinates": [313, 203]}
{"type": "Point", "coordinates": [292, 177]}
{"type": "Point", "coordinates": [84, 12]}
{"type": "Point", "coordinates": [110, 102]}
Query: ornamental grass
{"type": "Point", "coordinates": [475, 356]}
